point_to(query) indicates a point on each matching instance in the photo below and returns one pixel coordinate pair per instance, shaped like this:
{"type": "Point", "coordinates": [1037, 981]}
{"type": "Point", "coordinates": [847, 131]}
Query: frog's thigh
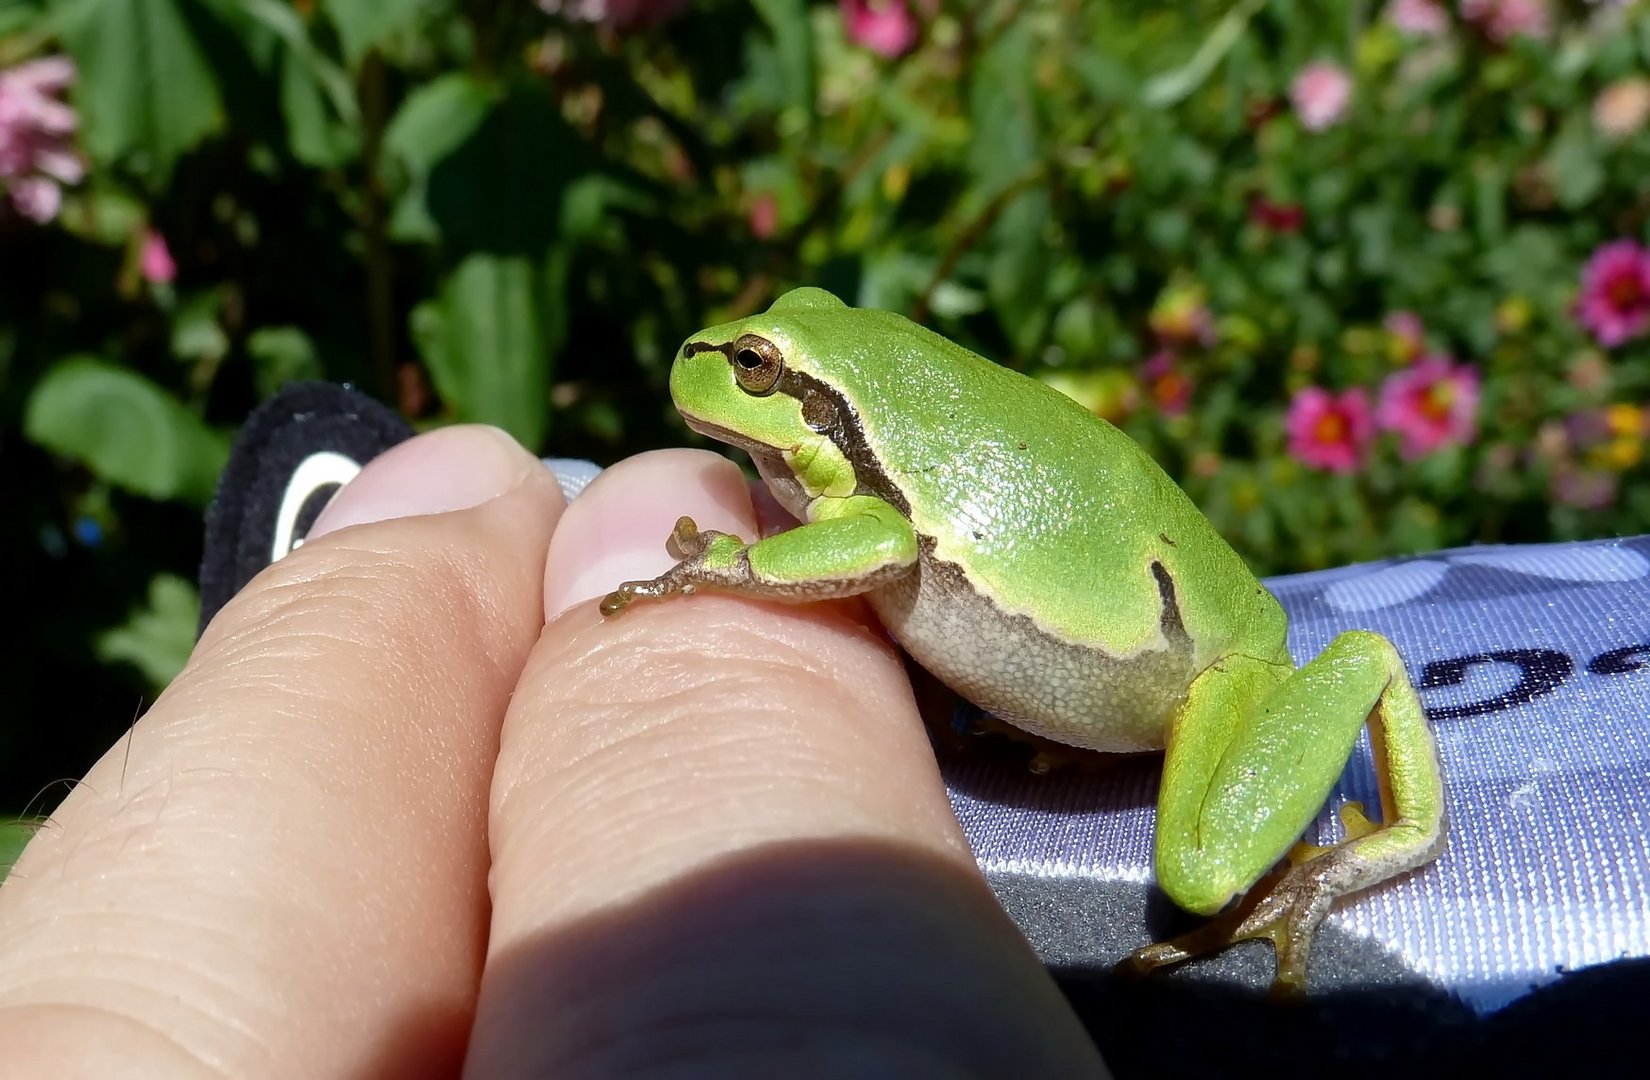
{"type": "Point", "coordinates": [1252, 758]}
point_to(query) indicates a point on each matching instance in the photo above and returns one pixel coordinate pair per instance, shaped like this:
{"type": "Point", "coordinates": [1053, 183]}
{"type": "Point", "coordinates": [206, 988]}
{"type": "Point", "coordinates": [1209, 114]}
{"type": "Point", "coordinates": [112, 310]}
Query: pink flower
{"type": "Point", "coordinates": [1431, 405]}
{"type": "Point", "coordinates": [763, 215]}
{"type": "Point", "coordinates": [1168, 386]}
{"type": "Point", "coordinates": [1408, 336]}
{"type": "Point", "coordinates": [1321, 93]}
{"type": "Point", "coordinates": [155, 261]}
{"type": "Point", "coordinates": [1503, 20]}
{"type": "Point", "coordinates": [1615, 293]}
{"type": "Point", "coordinates": [1622, 107]}
{"type": "Point", "coordinates": [1180, 318]}
{"type": "Point", "coordinates": [36, 154]}
{"type": "Point", "coordinates": [886, 27]}
{"type": "Point", "coordinates": [616, 14]}
{"type": "Point", "coordinates": [1421, 18]}
{"type": "Point", "coordinates": [1585, 489]}
{"type": "Point", "coordinates": [37, 198]}
{"type": "Point", "coordinates": [1327, 431]}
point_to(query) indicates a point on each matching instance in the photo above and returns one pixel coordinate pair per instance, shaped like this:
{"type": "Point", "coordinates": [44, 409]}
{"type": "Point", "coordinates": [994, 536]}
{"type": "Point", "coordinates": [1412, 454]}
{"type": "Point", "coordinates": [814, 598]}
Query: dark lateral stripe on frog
{"type": "Point", "coordinates": [828, 413]}
{"type": "Point", "coordinates": [951, 609]}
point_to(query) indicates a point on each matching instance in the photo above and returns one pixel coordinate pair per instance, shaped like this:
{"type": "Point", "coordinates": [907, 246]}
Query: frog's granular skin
{"type": "Point", "coordinates": [1528, 660]}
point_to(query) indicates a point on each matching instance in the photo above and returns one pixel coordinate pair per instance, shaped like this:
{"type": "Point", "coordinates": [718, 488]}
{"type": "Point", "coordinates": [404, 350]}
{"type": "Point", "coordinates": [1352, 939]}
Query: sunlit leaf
{"type": "Point", "coordinates": [14, 836]}
{"type": "Point", "coordinates": [434, 120]}
{"type": "Point", "coordinates": [157, 637]}
{"type": "Point", "coordinates": [1172, 87]}
{"type": "Point", "coordinates": [363, 25]}
{"type": "Point", "coordinates": [125, 429]}
{"type": "Point", "coordinates": [794, 43]}
{"type": "Point", "coordinates": [485, 342]}
{"type": "Point", "coordinates": [146, 92]}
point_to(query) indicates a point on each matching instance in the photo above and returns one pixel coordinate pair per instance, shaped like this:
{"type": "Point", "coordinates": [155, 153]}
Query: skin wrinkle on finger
{"type": "Point", "coordinates": [601, 768]}
{"type": "Point", "coordinates": [109, 1043]}
{"type": "Point", "coordinates": [769, 756]}
{"type": "Point", "coordinates": [302, 814]}
{"type": "Point", "coordinates": [720, 838]}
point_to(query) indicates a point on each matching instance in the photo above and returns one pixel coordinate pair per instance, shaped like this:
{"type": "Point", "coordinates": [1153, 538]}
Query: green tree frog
{"type": "Point", "coordinates": [1042, 564]}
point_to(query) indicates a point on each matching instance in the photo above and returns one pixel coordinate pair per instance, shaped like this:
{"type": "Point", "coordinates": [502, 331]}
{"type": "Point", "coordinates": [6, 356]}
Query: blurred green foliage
{"type": "Point", "coordinates": [481, 210]}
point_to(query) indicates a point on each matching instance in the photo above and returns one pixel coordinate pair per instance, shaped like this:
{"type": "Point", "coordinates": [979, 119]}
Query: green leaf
{"type": "Point", "coordinates": [433, 122]}
{"type": "Point", "coordinates": [196, 334]}
{"type": "Point", "coordinates": [1578, 175]}
{"type": "Point", "coordinates": [363, 25]}
{"type": "Point", "coordinates": [1173, 87]}
{"type": "Point", "coordinates": [485, 342]}
{"type": "Point", "coordinates": [125, 429]}
{"type": "Point", "coordinates": [500, 190]}
{"type": "Point", "coordinates": [793, 37]}
{"type": "Point", "coordinates": [17, 16]}
{"type": "Point", "coordinates": [282, 355]}
{"type": "Point", "coordinates": [146, 92]}
{"type": "Point", "coordinates": [158, 637]}
{"type": "Point", "coordinates": [102, 215]}
{"type": "Point", "coordinates": [1017, 278]}
{"type": "Point", "coordinates": [1003, 106]}
{"type": "Point", "coordinates": [316, 95]}
{"type": "Point", "coordinates": [14, 836]}
{"type": "Point", "coordinates": [287, 25]}
{"type": "Point", "coordinates": [315, 135]}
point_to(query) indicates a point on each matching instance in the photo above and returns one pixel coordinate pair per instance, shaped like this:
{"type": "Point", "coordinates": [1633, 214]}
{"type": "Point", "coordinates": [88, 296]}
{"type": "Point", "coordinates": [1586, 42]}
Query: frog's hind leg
{"type": "Point", "coordinates": [1252, 757]}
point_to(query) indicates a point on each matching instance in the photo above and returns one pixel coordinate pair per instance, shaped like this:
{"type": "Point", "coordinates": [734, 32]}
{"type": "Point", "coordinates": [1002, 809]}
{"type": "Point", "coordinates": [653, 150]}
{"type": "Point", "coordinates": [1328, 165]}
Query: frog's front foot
{"type": "Point", "coordinates": [707, 558]}
{"type": "Point", "coordinates": [686, 541]}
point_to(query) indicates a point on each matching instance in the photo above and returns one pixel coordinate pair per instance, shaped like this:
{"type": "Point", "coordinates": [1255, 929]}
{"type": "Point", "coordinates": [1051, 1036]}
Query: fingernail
{"type": "Point", "coordinates": [452, 468]}
{"type": "Point", "coordinates": [616, 529]}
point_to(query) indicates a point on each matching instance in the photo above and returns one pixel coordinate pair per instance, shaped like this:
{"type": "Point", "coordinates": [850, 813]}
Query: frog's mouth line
{"type": "Point", "coordinates": [726, 435]}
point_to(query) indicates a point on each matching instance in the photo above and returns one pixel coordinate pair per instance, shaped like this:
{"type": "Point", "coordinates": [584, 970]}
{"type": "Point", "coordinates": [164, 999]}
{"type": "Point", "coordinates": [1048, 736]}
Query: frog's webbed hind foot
{"type": "Point", "coordinates": [1286, 908]}
{"type": "Point", "coordinates": [1253, 755]}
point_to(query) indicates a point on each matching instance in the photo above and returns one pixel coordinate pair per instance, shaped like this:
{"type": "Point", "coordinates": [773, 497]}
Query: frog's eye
{"type": "Point", "coordinates": [757, 363]}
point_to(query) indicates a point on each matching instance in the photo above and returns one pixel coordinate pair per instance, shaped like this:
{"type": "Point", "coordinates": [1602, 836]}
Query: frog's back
{"type": "Point", "coordinates": [1058, 516]}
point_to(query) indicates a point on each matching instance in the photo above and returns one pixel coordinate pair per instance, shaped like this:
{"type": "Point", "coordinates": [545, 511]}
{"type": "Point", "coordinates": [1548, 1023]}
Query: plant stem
{"type": "Point", "coordinates": [380, 267]}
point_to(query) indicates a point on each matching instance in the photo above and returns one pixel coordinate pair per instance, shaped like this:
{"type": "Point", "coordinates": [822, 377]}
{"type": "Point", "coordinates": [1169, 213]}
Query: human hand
{"type": "Point", "coordinates": [389, 821]}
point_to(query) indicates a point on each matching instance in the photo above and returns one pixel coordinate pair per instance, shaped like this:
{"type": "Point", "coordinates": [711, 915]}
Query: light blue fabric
{"type": "Point", "coordinates": [1529, 660]}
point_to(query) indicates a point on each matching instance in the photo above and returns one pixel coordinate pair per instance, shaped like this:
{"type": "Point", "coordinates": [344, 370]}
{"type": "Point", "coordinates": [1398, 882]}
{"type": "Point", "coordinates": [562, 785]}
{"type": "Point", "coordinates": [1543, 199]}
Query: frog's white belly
{"type": "Point", "coordinates": [1015, 670]}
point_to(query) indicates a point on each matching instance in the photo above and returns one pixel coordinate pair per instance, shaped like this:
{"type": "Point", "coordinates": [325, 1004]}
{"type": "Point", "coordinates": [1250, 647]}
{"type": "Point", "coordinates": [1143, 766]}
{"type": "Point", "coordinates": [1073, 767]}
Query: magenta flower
{"type": "Point", "coordinates": [1503, 20]}
{"type": "Point", "coordinates": [155, 260]}
{"type": "Point", "coordinates": [36, 154]}
{"type": "Point", "coordinates": [1321, 93]}
{"type": "Point", "coordinates": [1615, 293]}
{"type": "Point", "coordinates": [1328, 431]}
{"type": "Point", "coordinates": [886, 27]}
{"type": "Point", "coordinates": [1429, 406]}
{"type": "Point", "coordinates": [1170, 388]}
{"type": "Point", "coordinates": [1419, 18]}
